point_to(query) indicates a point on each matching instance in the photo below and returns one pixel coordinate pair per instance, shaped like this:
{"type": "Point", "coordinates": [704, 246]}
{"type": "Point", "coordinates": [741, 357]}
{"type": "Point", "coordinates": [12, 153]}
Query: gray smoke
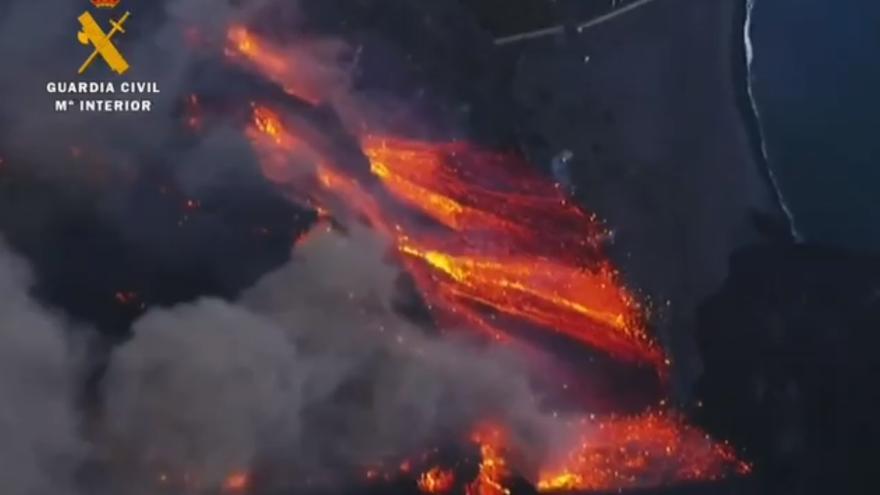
{"type": "Point", "coordinates": [311, 369]}
{"type": "Point", "coordinates": [40, 447]}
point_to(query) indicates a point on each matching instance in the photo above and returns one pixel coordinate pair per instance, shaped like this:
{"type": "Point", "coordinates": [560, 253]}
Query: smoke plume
{"type": "Point", "coordinates": [312, 369]}
{"type": "Point", "coordinates": [41, 447]}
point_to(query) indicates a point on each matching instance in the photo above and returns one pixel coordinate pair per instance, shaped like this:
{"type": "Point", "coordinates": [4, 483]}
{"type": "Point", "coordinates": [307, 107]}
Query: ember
{"type": "Point", "coordinates": [193, 113]}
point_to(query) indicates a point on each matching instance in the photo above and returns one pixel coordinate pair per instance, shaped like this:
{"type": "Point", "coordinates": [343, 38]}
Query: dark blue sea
{"type": "Point", "coordinates": [815, 80]}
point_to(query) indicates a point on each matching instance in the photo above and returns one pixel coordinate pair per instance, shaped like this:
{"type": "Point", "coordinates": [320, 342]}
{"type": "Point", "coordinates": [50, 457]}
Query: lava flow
{"type": "Point", "coordinates": [493, 469]}
{"type": "Point", "coordinates": [436, 480]}
{"type": "Point", "coordinates": [273, 62]}
{"type": "Point", "coordinates": [512, 245]}
{"type": "Point", "coordinates": [652, 449]}
{"type": "Point", "coordinates": [516, 244]}
{"type": "Point", "coordinates": [492, 243]}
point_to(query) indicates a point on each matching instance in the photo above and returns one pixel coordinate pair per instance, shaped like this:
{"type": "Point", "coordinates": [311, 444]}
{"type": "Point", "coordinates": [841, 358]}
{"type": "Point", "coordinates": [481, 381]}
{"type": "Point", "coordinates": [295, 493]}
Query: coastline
{"type": "Point", "coordinates": [741, 62]}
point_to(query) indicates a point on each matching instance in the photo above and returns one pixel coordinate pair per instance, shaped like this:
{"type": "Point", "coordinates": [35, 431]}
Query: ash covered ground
{"type": "Point", "coordinates": [150, 288]}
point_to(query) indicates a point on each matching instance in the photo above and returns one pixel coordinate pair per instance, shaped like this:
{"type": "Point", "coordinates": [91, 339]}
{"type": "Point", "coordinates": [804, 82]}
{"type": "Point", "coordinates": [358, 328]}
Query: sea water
{"type": "Point", "coordinates": [814, 81]}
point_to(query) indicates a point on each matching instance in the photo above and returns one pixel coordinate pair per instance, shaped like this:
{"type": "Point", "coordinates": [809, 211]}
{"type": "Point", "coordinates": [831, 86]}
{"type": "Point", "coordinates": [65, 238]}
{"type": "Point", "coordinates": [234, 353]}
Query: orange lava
{"type": "Point", "coordinates": [484, 235]}
{"type": "Point", "coordinates": [493, 470]}
{"type": "Point", "coordinates": [472, 190]}
{"type": "Point", "coordinates": [518, 245]}
{"type": "Point", "coordinates": [271, 61]}
{"type": "Point", "coordinates": [276, 146]}
{"type": "Point", "coordinates": [615, 453]}
{"type": "Point", "coordinates": [652, 449]}
{"type": "Point", "coordinates": [436, 480]}
{"type": "Point", "coordinates": [511, 245]}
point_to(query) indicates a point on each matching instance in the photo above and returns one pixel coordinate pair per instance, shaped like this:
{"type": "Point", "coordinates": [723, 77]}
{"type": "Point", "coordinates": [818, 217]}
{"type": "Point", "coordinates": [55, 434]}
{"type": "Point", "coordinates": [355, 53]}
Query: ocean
{"type": "Point", "coordinates": [815, 84]}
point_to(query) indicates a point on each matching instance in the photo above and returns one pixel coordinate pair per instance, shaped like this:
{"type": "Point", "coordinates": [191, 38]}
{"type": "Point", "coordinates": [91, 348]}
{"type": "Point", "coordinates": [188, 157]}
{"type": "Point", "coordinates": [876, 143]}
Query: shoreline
{"type": "Point", "coordinates": [748, 110]}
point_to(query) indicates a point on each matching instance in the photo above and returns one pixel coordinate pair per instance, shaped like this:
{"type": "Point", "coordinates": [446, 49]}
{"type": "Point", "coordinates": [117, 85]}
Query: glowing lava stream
{"type": "Point", "coordinates": [652, 449]}
{"type": "Point", "coordinates": [436, 480]}
{"type": "Point", "coordinates": [503, 240]}
{"type": "Point", "coordinates": [494, 258]}
{"type": "Point", "coordinates": [273, 62]}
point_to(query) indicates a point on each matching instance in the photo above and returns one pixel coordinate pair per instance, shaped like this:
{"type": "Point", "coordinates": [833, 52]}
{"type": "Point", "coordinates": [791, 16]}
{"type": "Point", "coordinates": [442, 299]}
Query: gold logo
{"type": "Point", "coordinates": [92, 34]}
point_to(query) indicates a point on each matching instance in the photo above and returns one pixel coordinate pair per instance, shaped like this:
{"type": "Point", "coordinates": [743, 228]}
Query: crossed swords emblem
{"type": "Point", "coordinates": [93, 34]}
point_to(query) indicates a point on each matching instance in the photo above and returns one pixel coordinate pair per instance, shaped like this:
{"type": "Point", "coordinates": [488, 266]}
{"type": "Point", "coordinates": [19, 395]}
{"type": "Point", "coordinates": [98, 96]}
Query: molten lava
{"type": "Point", "coordinates": [272, 62]}
{"type": "Point", "coordinates": [494, 244]}
{"type": "Point", "coordinates": [436, 480]}
{"type": "Point", "coordinates": [493, 467]}
{"type": "Point", "coordinates": [509, 245]}
{"type": "Point", "coordinates": [651, 449]}
{"type": "Point", "coordinates": [517, 244]}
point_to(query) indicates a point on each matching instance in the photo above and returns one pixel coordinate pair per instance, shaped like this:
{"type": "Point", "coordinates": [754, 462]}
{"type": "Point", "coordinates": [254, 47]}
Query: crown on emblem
{"type": "Point", "coordinates": [105, 4]}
